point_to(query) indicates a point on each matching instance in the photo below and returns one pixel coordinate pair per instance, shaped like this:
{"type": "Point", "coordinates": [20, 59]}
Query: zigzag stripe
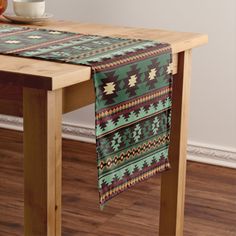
{"type": "Point", "coordinates": [130, 59]}
{"type": "Point", "coordinates": [137, 51]}
{"type": "Point", "coordinates": [130, 109]}
{"type": "Point", "coordinates": [134, 102]}
{"type": "Point", "coordinates": [144, 148]}
{"type": "Point", "coordinates": [113, 191]}
{"type": "Point", "coordinates": [135, 109]}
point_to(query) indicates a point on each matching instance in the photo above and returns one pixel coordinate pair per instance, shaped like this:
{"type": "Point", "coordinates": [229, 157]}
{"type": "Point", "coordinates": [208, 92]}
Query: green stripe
{"type": "Point", "coordinates": [111, 126]}
{"type": "Point", "coordinates": [119, 172]}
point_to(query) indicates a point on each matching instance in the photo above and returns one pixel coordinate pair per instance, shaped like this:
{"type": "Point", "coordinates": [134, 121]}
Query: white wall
{"type": "Point", "coordinates": [213, 91]}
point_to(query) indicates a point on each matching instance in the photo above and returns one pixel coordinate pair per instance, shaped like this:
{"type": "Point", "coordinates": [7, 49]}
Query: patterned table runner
{"type": "Point", "coordinates": [133, 86]}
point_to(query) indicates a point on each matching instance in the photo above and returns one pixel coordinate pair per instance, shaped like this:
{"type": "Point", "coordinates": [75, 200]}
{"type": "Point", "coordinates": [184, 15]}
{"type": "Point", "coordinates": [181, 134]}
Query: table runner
{"type": "Point", "coordinates": [133, 87]}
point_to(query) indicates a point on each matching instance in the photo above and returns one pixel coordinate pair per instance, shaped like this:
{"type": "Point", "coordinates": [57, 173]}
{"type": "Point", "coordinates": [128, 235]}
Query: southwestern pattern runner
{"type": "Point", "coordinates": [133, 86]}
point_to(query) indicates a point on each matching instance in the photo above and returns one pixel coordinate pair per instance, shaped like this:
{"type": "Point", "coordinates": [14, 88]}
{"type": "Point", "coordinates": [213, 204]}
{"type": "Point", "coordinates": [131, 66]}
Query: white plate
{"type": "Point", "coordinates": [22, 19]}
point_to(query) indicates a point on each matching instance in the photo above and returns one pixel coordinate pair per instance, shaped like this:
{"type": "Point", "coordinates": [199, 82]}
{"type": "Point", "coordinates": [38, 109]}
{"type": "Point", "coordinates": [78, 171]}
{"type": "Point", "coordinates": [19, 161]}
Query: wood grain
{"type": "Point", "coordinates": [42, 162]}
{"type": "Point", "coordinates": [11, 100]}
{"type": "Point", "coordinates": [173, 182]}
{"type": "Point", "coordinates": [71, 100]}
{"type": "Point", "coordinates": [210, 197]}
{"type": "Point", "coordinates": [51, 75]}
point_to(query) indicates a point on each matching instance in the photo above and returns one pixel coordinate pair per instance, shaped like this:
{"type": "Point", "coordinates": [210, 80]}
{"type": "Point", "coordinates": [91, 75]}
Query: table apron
{"type": "Point", "coordinates": [74, 96]}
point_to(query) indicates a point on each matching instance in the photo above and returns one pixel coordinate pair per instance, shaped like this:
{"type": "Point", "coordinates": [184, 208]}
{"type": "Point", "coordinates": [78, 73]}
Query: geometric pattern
{"type": "Point", "coordinates": [133, 86]}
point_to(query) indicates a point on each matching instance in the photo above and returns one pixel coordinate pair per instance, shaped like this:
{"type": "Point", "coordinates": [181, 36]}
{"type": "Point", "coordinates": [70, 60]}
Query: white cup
{"type": "Point", "coordinates": [29, 8]}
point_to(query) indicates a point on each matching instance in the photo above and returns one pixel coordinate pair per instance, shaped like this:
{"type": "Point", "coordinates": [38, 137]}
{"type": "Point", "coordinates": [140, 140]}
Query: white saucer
{"type": "Point", "coordinates": [21, 19]}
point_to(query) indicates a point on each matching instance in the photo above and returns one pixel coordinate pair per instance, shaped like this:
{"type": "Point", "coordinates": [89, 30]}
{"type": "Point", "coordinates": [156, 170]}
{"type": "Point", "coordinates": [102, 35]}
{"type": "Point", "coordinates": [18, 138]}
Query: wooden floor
{"type": "Point", "coordinates": [210, 199]}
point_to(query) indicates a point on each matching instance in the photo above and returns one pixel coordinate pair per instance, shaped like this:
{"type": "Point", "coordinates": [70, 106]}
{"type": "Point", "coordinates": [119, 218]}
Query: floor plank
{"type": "Point", "coordinates": [210, 197]}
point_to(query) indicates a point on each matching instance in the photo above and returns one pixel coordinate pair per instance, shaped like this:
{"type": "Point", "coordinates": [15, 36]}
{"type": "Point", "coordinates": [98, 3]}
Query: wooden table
{"type": "Point", "coordinates": [41, 91]}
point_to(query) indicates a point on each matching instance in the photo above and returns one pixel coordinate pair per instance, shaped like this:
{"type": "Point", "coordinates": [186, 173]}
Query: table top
{"type": "Point", "coordinates": [53, 75]}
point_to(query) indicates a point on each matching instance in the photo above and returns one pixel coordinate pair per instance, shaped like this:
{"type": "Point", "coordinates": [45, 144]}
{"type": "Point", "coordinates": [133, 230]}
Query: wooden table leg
{"type": "Point", "coordinates": [42, 162]}
{"type": "Point", "coordinates": [173, 181]}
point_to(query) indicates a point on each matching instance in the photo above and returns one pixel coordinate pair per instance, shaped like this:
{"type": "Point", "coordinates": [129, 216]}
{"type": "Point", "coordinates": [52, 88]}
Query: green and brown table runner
{"type": "Point", "coordinates": [133, 86]}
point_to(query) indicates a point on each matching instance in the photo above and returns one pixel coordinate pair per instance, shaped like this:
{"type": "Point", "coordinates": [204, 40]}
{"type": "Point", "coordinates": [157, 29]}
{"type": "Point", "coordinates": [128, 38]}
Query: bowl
{"type": "Point", "coordinates": [29, 8]}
